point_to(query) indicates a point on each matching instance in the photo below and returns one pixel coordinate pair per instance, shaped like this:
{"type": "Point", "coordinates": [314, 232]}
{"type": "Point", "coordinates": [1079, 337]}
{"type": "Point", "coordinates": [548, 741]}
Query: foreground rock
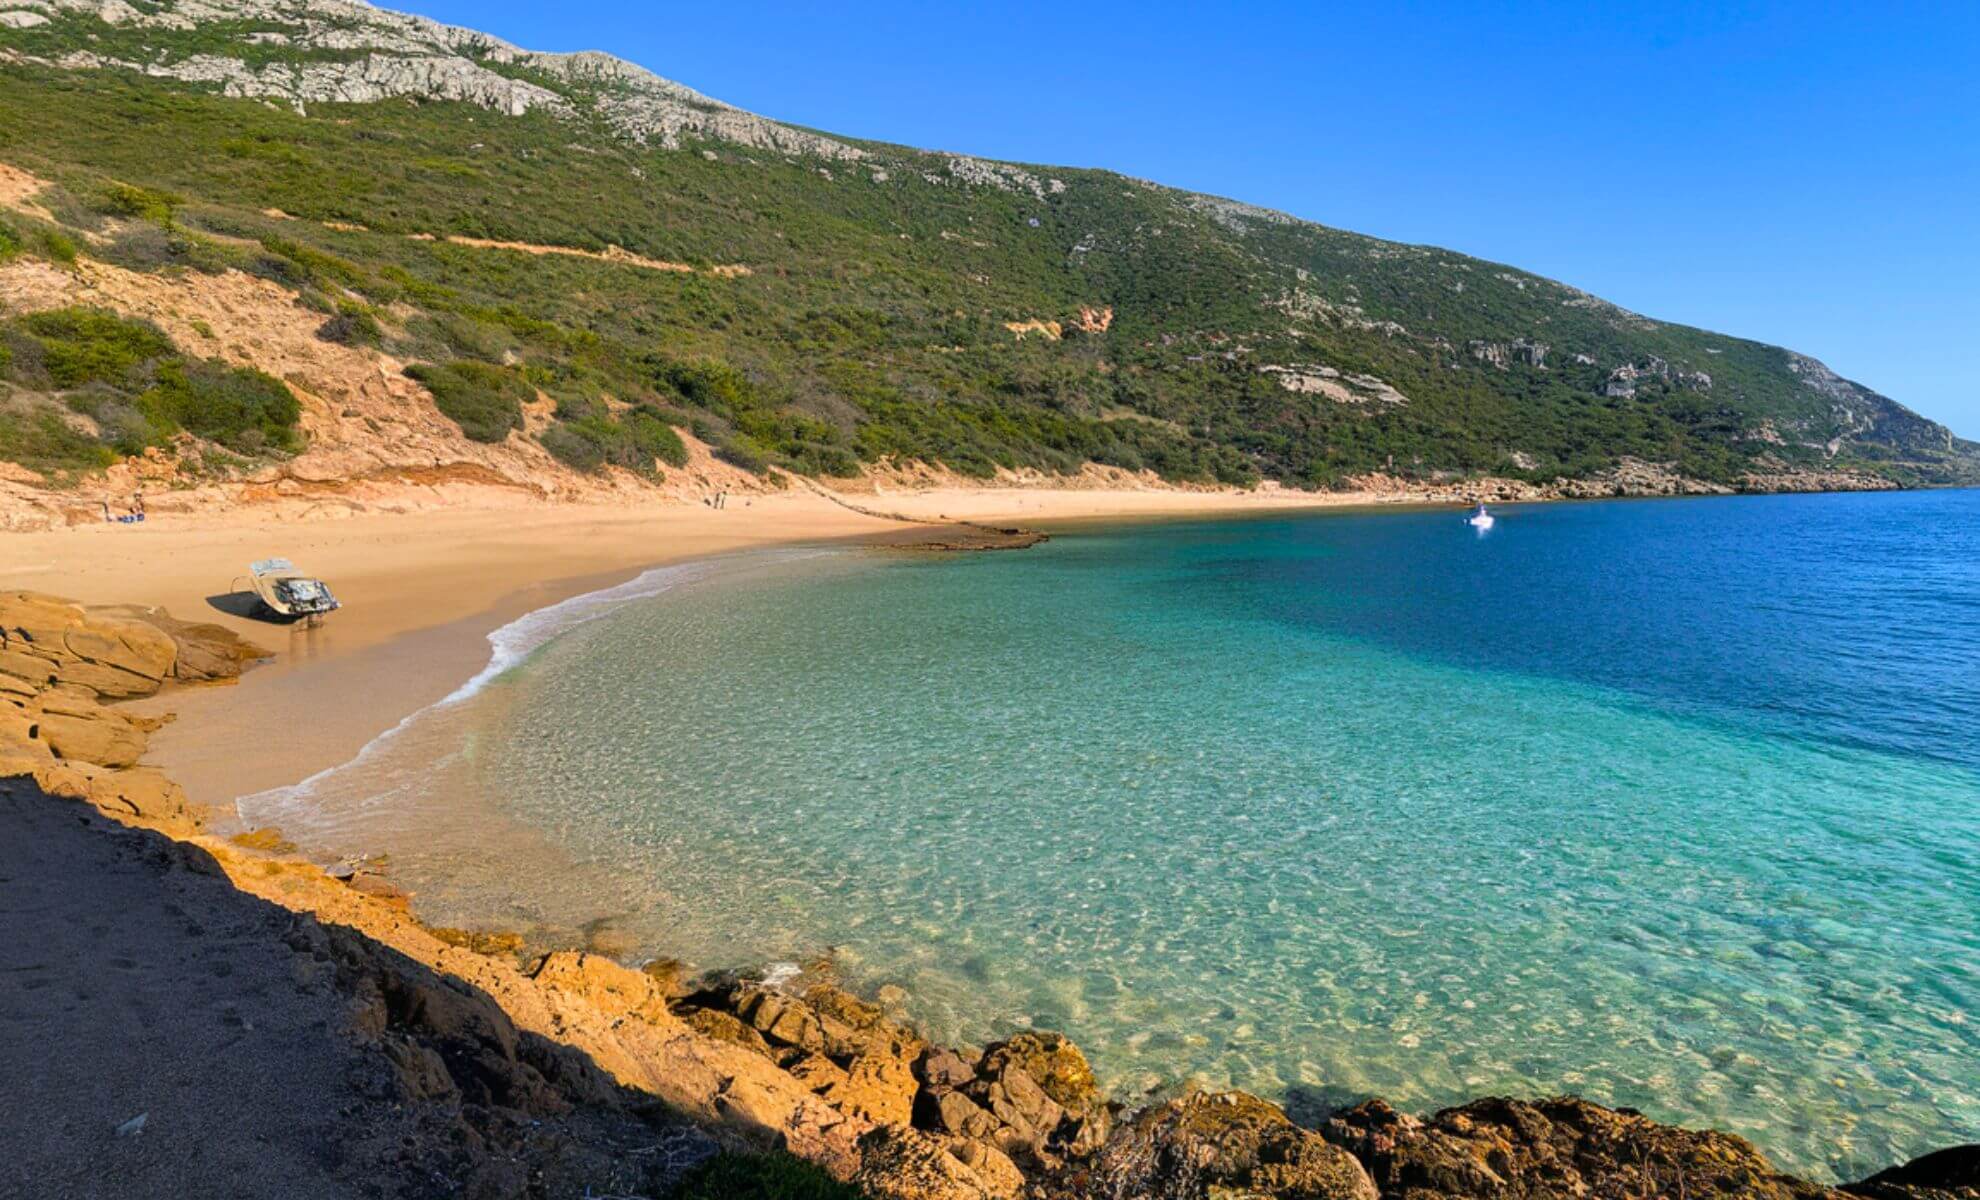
{"type": "Point", "coordinates": [1951, 1174]}
{"type": "Point", "coordinates": [110, 653]}
{"type": "Point", "coordinates": [1560, 1147]}
{"type": "Point", "coordinates": [62, 664]}
{"type": "Point", "coordinates": [256, 1044]}
{"type": "Point", "coordinates": [1220, 1143]}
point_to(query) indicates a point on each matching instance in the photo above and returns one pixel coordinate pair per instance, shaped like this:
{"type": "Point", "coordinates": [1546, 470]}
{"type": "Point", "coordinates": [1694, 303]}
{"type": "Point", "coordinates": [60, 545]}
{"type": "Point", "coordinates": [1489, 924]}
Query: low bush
{"type": "Point", "coordinates": [88, 345]}
{"type": "Point", "coordinates": [471, 338]}
{"type": "Point", "coordinates": [129, 378]}
{"type": "Point", "coordinates": [575, 447]}
{"type": "Point", "coordinates": [242, 409]}
{"type": "Point", "coordinates": [139, 203]}
{"type": "Point", "coordinates": [352, 325]}
{"type": "Point", "coordinates": [43, 442]}
{"type": "Point", "coordinates": [122, 424]}
{"type": "Point", "coordinates": [707, 383]}
{"type": "Point", "coordinates": [318, 267]}
{"type": "Point", "coordinates": [148, 248]}
{"type": "Point", "coordinates": [56, 246]}
{"type": "Point", "coordinates": [741, 452]}
{"type": "Point", "coordinates": [484, 400]}
{"type": "Point", "coordinates": [653, 437]}
{"type": "Point", "coordinates": [587, 438]}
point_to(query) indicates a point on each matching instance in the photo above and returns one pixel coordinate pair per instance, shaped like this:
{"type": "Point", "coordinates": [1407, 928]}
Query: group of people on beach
{"type": "Point", "coordinates": [131, 515]}
{"type": "Point", "coordinates": [719, 500]}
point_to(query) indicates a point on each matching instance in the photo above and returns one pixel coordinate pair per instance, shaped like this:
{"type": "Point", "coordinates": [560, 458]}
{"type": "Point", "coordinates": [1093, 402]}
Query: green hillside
{"type": "Point", "coordinates": [1221, 342]}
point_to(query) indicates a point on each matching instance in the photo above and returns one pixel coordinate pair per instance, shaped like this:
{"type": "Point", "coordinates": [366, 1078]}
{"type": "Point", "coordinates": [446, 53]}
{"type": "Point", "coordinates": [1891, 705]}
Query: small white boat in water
{"type": "Point", "coordinates": [1480, 519]}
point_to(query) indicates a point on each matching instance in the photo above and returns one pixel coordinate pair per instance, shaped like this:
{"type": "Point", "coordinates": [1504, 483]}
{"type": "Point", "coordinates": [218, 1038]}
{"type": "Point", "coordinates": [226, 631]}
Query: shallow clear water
{"type": "Point", "coordinates": [1672, 804]}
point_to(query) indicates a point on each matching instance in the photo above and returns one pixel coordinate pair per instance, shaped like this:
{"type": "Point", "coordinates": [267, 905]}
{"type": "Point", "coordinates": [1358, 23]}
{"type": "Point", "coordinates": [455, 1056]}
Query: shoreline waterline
{"type": "Point", "coordinates": [508, 645]}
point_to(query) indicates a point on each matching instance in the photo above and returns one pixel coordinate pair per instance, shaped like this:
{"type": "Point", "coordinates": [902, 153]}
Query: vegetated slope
{"type": "Point", "coordinates": [819, 303]}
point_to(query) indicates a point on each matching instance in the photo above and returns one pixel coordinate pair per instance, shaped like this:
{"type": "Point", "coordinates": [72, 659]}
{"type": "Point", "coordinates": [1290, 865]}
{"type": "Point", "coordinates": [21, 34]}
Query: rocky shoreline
{"type": "Point", "coordinates": [502, 1074]}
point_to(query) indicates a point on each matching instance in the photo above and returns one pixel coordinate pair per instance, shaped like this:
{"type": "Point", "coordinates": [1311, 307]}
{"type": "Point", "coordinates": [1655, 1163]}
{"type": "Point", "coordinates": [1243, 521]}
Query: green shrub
{"type": "Point", "coordinates": [318, 267]}
{"type": "Point", "coordinates": [653, 437]}
{"type": "Point", "coordinates": [470, 338]}
{"type": "Point", "coordinates": [43, 441]}
{"type": "Point", "coordinates": [241, 408]}
{"type": "Point", "coordinates": [121, 423]}
{"type": "Point", "coordinates": [56, 246]}
{"type": "Point", "coordinates": [741, 452]}
{"type": "Point", "coordinates": [587, 438]}
{"type": "Point", "coordinates": [265, 149]}
{"type": "Point", "coordinates": [484, 400]}
{"type": "Point", "coordinates": [277, 269]}
{"type": "Point", "coordinates": [148, 248]}
{"type": "Point", "coordinates": [575, 447]}
{"type": "Point", "coordinates": [820, 458]}
{"type": "Point", "coordinates": [707, 383]}
{"type": "Point", "coordinates": [85, 345]}
{"type": "Point", "coordinates": [352, 325]}
{"type": "Point", "coordinates": [773, 1176]}
{"type": "Point", "coordinates": [10, 242]}
{"type": "Point", "coordinates": [129, 200]}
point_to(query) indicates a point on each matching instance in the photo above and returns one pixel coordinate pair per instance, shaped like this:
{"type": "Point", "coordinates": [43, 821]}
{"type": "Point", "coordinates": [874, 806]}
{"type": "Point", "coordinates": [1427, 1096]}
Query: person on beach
{"type": "Point", "coordinates": [130, 516]}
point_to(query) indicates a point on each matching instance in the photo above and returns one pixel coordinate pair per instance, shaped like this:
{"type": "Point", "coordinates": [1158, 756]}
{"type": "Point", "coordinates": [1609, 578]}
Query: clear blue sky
{"type": "Point", "coordinates": [1802, 173]}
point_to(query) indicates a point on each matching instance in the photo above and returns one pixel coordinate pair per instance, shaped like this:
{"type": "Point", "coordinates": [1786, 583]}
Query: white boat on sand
{"type": "Point", "coordinates": [287, 592]}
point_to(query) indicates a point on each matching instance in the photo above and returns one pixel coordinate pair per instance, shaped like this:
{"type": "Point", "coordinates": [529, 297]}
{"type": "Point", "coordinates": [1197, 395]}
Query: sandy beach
{"type": "Point", "coordinates": [422, 590]}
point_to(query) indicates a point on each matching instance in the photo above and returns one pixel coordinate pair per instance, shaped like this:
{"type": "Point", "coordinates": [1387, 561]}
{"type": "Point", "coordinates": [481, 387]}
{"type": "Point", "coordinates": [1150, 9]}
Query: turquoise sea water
{"type": "Point", "coordinates": [1672, 804]}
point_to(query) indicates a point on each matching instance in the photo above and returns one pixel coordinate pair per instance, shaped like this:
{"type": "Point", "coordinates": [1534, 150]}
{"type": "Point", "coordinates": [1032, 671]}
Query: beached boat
{"type": "Point", "coordinates": [287, 592]}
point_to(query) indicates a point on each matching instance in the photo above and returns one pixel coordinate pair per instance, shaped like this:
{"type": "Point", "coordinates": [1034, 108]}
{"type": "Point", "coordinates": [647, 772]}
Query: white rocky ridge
{"type": "Point", "coordinates": [372, 78]}
{"type": "Point", "coordinates": [349, 52]}
{"type": "Point", "coordinates": [1236, 215]}
{"type": "Point", "coordinates": [1342, 388]}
